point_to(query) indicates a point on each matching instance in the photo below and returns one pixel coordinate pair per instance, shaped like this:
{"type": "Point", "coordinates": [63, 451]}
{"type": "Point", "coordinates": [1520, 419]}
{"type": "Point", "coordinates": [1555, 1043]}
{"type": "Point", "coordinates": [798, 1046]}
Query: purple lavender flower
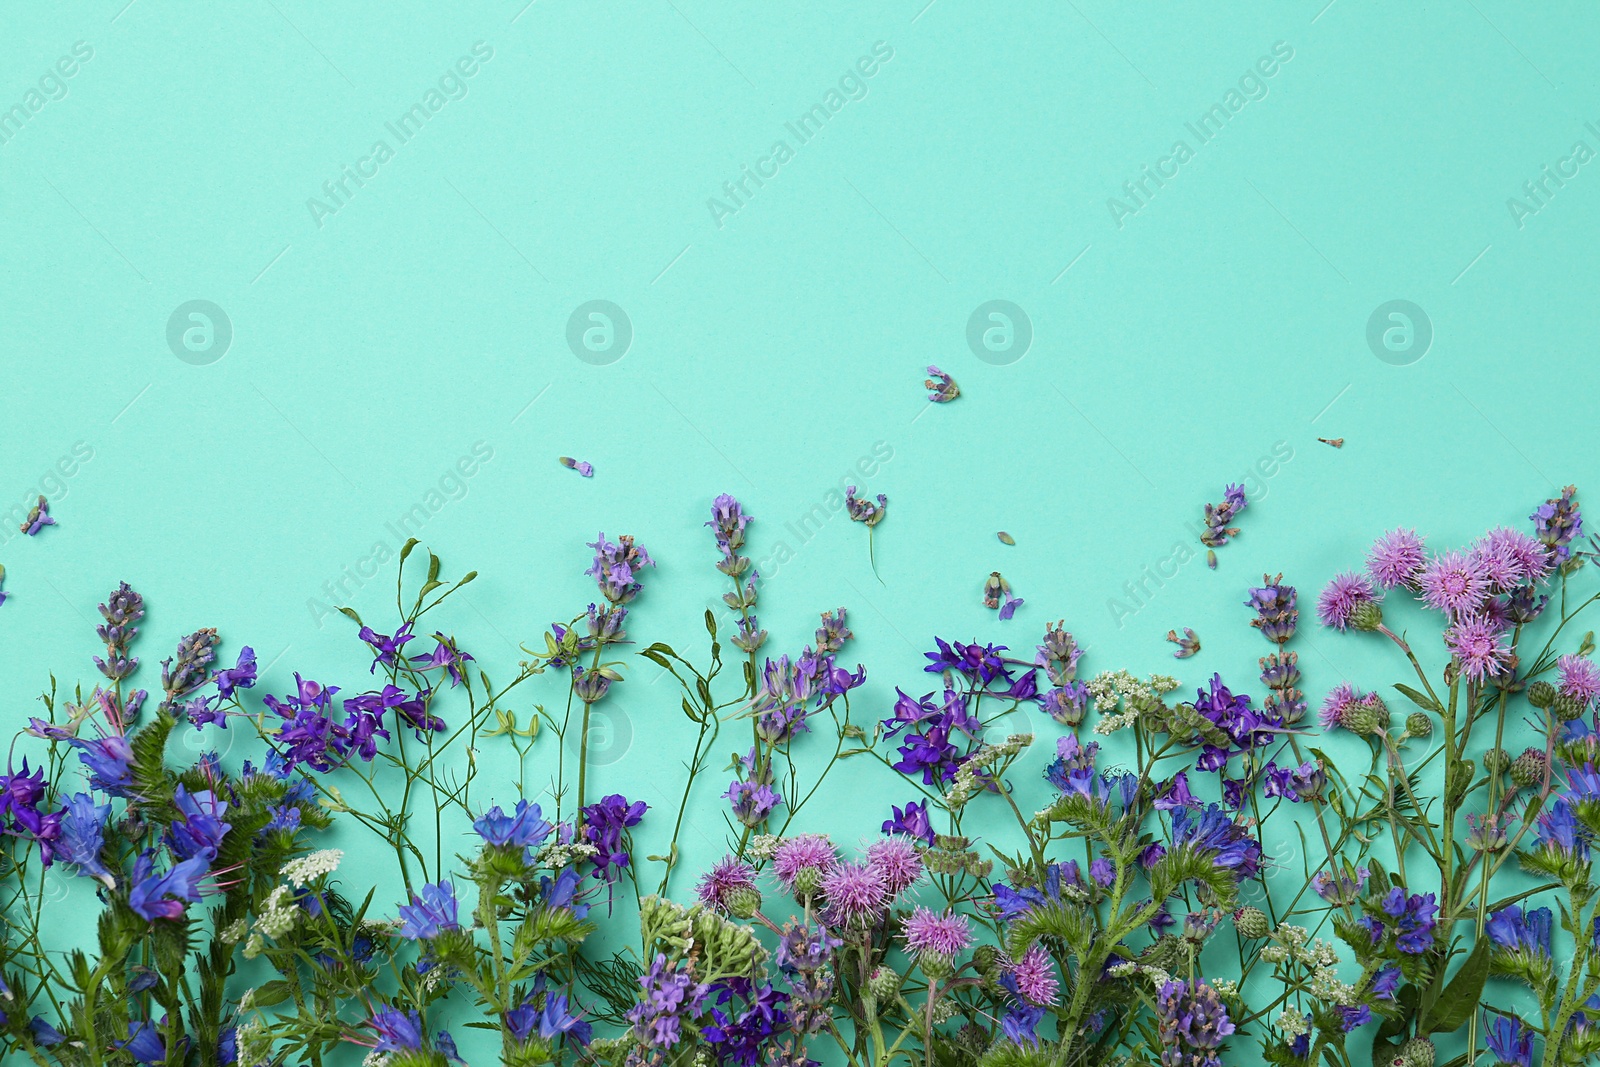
{"type": "Point", "coordinates": [398, 1031]}
{"type": "Point", "coordinates": [38, 518]}
{"type": "Point", "coordinates": [1059, 654]}
{"type": "Point", "coordinates": [1188, 644]}
{"type": "Point", "coordinates": [1275, 608]}
{"type": "Point", "coordinates": [1479, 647]}
{"type": "Point", "coordinates": [430, 913]}
{"type": "Point", "coordinates": [1558, 521]}
{"type": "Point", "coordinates": [1339, 599]}
{"type": "Point", "coordinates": [865, 511]}
{"type": "Point", "coordinates": [524, 828]}
{"type": "Point", "coordinates": [585, 469]}
{"type": "Point", "coordinates": [912, 821]}
{"type": "Point", "coordinates": [616, 567]}
{"type": "Point", "coordinates": [1193, 1023]}
{"type": "Point", "coordinates": [193, 664]}
{"type": "Point", "coordinates": [1396, 559]}
{"type": "Point", "coordinates": [833, 632]}
{"type": "Point", "coordinates": [728, 521]}
{"type": "Point", "coordinates": [155, 896]}
{"type": "Point", "coordinates": [604, 825]}
{"type": "Point", "coordinates": [122, 609]}
{"type": "Point", "coordinates": [941, 387]}
{"type": "Point", "coordinates": [1218, 516]}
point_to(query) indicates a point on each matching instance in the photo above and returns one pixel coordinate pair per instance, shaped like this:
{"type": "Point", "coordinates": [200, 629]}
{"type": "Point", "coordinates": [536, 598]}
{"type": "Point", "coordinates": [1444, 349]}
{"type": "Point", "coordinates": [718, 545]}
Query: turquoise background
{"type": "Point", "coordinates": [1222, 323]}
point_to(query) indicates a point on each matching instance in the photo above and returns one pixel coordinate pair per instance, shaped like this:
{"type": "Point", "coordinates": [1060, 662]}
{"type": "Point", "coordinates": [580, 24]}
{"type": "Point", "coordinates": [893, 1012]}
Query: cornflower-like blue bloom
{"type": "Point", "coordinates": [1414, 916]}
{"type": "Point", "coordinates": [525, 827]}
{"type": "Point", "coordinates": [145, 1043]}
{"type": "Point", "coordinates": [555, 1020]}
{"type": "Point", "coordinates": [430, 913]}
{"type": "Point", "coordinates": [242, 675]}
{"type": "Point", "coordinates": [110, 763]}
{"type": "Point", "coordinates": [385, 647]}
{"type": "Point", "coordinates": [83, 835]}
{"type": "Point", "coordinates": [447, 1047]}
{"type": "Point", "coordinates": [1508, 1041]}
{"type": "Point", "coordinates": [1020, 1023]}
{"type": "Point", "coordinates": [1355, 1017]}
{"type": "Point", "coordinates": [1211, 831]}
{"type": "Point", "coordinates": [44, 1033]}
{"type": "Point", "coordinates": [752, 802]}
{"type": "Point", "coordinates": [398, 1031]}
{"type": "Point", "coordinates": [1011, 903]}
{"type": "Point", "coordinates": [1515, 930]}
{"type": "Point", "coordinates": [1385, 982]}
{"type": "Point", "coordinates": [445, 654]}
{"type": "Point", "coordinates": [912, 821]}
{"type": "Point", "coordinates": [1558, 830]}
{"type": "Point", "coordinates": [562, 892]}
{"type": "Point", "coordinates": [604, 824]}
{"type": "Point", "coordinates": [163, 896]}
{"type": "Point", "coordinates": [1073, 772]}
{"type": "Point", "coordinates": [200, 829]}
{"type": "Point", "coordinates": [1175, 794]}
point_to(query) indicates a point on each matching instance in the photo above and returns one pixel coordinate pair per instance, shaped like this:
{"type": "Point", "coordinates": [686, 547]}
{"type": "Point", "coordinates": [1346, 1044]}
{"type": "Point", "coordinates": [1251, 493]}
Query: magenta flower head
{"type": "Point", "coordinates": [1454, 584]}
{"type": "Point", "coordinates": [800, 862]}
{"type": "Point", "coordinates": [1035, 976]}
{"type": "Point", "coordinates": [729, 886]}
{"type": "Point", "coordinates": [1580, 679]}
{"type": "Point", "coordinates": [1479, 646]}
{"type": "Point", "coordinates": [1396, 559]}
{"type": "Point", "coordinates": [1511, 558]}
{"type": "Point", "coordinates": [897, 861]}
{"type": "Point", "coordinates": [1340, 598]}
{"type": "Point", "coordinates": [856, 894]}
{"type": "Point", "coordinates": [949, 934]}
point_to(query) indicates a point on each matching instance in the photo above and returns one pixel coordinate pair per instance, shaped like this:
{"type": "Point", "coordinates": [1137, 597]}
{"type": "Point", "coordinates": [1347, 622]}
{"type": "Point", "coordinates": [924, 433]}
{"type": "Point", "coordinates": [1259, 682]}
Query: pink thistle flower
{"type": "Point", "coordinates": [1333, 707]}
{"type": "Point", "coordinates": [1396, 559]}
{"type": "Point", "coordinates": [1035, 976]}
{"type": "Point", "coordinates": [1454, 584]}
{"type": "Point", "coordinates": [798, 853]}
{"type": "Point", "coordinates": [897, 861]}
{"type": "Point", "coordinates": [1479, 646]}
{"type": "Point", "coordinates": [1580, 679]}
{"type": "Point", "coordinates": [1339, 599]}
{"type": "Point", "coordinates": [731, 874]}
{"type": "Point", "coordinates": [928, 931]}
{"type": "Point", "coordinates": [855, 893]}
{"type": "Point", "coordinates": [1522, 551]}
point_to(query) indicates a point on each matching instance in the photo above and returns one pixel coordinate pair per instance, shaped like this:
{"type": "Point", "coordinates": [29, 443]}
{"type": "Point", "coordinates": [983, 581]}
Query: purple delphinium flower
{"type": "Point", "coordinates": [430, 913]}
{"type": "Point", "coordinates": [1453, 583]}
{"type": "Point", "coordinates": [526, 827]}
{"type": "Point", "coordinates": [1479, 646]}
{"type": "Point", "coordinates": [742, 1038]}
{"type": "Point", "coordinates": [728, 876]}
{"type": "Point", "coordinates": [1218, 516]}
{"type": "Point", "coordinates": [1277, 613]}
{"type": "Point", "coordinates": [445, 654]}
{"type": "Point", "coordinates": [387, 649]}
{"type": "Point", "coordinates": [604, 825]}
{"type": "Point", "coordinates": [912, 820]}
{"type": "Point", "coordinates": [855, 893]}
{"type": "Point", "coordinates": [941, 387]}
{"type": "Point", "coordinates": [670, 992]}
{"type": "Point", "coordinates": [1337, 602]}
{"type": "Point", "coordinates": [616, 567]}
{"type": "Point", "coordinates": [897, 862]}
{"type": "Point", "coordinates": [583, 468]}
{"type": "Point", "coordinates": [1508, 1040]}
{"type": "Point", "coordinates": [242, 675]}
{"type": "Point", "coordinates": [1557, 522]}
{"type": "Point", "coordinates": [948, 934]}
{"type": "Point", "coordinates": [398, 1031]}
{"type": "Point", "coordinates": [38, 517]}
{"type": "Point", "coordinates": [1192, 1020]}
{"type": "Point", "coordinates": [1396, 559]}
{"type": "Point", "coordinates": [802, 853]}
{"type": "Point", "coordinates": [1580, 679]}
{"type": "Point", "coordinates": [162, 896]}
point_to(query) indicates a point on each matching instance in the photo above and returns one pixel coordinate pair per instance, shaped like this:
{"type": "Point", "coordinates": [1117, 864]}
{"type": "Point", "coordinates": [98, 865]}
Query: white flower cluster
{"type": "Point", "coordinates": [1110, 688]}
{"type": "Point", "coordinates": [376, 1059]}
{"type": "Point", "coordinates": [1291, 1024]}
{"type": "Point", "coordinates": [309, 868]}
{"type": "Point", "coordinates": [557, 856]}
{"type": "Point", "coordinates": [762, 846]}
{"type": "Point", "coordinates": [1157, 976]}
{"type": "Point", "coordinates": [234, 932]}
{"type": "Point", "coordinates": [1295, 944]}
{"type": "Point", "coordinates": [279, 914]}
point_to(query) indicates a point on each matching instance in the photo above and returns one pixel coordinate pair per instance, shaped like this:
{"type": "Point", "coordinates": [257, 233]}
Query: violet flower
{"type": "Point", "coordinates": [604, 825]}
{"type": "Point", "coordinates": [1558, 521]}
{"type": "Point", "coordinates": [585, 469]}
{"type": "Point", "coordinates": [431, 912]}
{"type": "Point", "coordinates": [155, 896]}
{"type": "Point", "coordinates": [38, 518]}
{"type": "Point", "coordinates": [1218, 516]}
{"type": "Point", "coordinates": [941, 387]}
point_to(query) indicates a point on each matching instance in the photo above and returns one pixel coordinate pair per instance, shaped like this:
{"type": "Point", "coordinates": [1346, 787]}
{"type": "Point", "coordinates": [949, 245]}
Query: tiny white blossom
{"type": "Point", "coordinates": [309, 868]}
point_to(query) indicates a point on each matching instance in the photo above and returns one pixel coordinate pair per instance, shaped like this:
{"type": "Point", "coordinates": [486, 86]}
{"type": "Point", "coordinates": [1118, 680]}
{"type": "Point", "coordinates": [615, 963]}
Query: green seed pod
{"type": "Point", "coordinates": [1251, 923]}
{"type": "Point", "coordinates": [1541, 695]}
{"type": "Point", "coordinates": [1367, 616]}
{"type": "Point", "coordinates": [1418, 724]}
{"type": "Point", "coordinates": [1528, 768]}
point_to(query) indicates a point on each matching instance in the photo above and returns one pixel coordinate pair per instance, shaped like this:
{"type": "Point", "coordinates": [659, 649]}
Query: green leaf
{"type": "Point", "coordinates": [351, 613]}
{"type": "Point", "coordinates": [1421, 700]}
{"type": "Point", "coordinates": [1460, 998]}
{"type": "Point", "coordinates": [271, 994]}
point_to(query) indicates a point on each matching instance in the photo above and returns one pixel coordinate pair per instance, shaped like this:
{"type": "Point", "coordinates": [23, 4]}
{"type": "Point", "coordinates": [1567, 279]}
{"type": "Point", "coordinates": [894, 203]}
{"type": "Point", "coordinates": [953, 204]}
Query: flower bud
{"type": "Point", "coordinates": [1418, 724]}
{"type": "Point", "coordinates": [1360, 718]}
{"type": "Point", "coordinates": [743, 902]}
{"type": "Point", "coordinates": [1251, 923]}
{"type": "Point", "coordinates": [936, 965]}
{"type": "Point", "coordinates": [1497, 761]}
{"type": "Point", "coordinates": [806, 881]}
{"type": "Point", "coordinates": [1541, 694]}
{"type": "Point", "coordinates": [884, 984]}
{"type": "Point", "coordinates": [1566, 708]}
{"type": "Point", "coordinates": [985, 957]}
{"type": "Point", "coordinates": [1528, 768]}
{"type": "Point", "coordinates": [1418, 1052]}
{"type": "Point", "coordinates": [1366, 615]}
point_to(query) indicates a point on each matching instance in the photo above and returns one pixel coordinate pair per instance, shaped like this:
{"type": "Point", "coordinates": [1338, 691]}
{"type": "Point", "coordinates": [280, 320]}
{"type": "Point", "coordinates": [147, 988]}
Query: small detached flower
{"type": "Point", "coordinates": [38, 518]}
{"type": "Point", "coordinates": [864, 511]}
{"type": "Point", "coordinates": [997, 594]}
{"type": "Point", "coordinates": [941, 387]}
{"type": "Point", "coordinates": [1188, 644]}
{"type": "Point", "coordinates": [585, 469]}
{"type": "Point", "coordinates": [1219, 516]}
